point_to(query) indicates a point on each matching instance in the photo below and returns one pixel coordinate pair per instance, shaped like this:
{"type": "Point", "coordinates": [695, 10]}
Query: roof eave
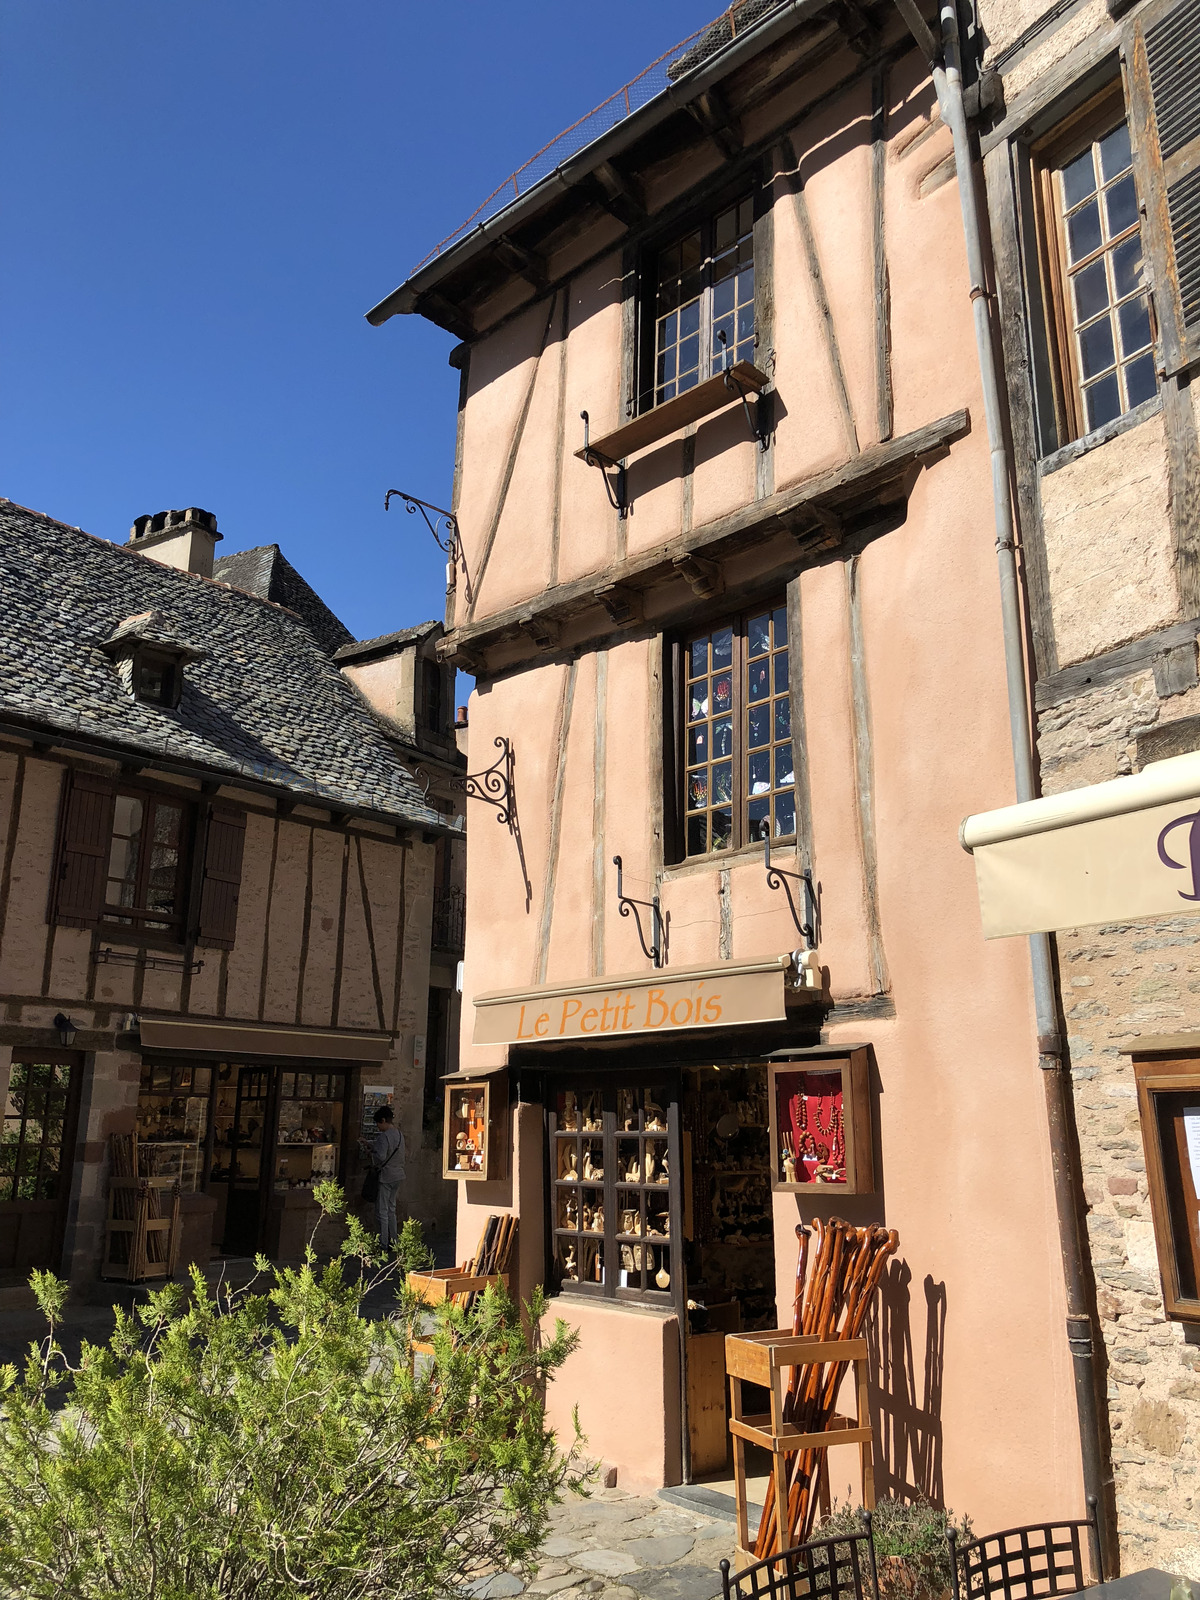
{"type": "Point", "coordinates": [406, 299]}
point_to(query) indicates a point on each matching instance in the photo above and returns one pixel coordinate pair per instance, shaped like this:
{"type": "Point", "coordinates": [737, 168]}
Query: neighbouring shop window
{"type": "Point", "coordinates": [739, 780]}
{"type": "Point", "coordinates": [1101, 336]}
{"type": "Point", "coordinates": [614, 1160]}
{"type": "Point", "coordinates": [311, 1106]}
{"type": "Point", "coordinates": [1169, 1102]}
{"type": "Point", "coordinates": [34, 1131]}
{"type": "Point", "coordinates": [124, 863]}
{"type": "Point", "coordinates": [172, 1122]}
{"type": "Point", "coordinates": [703, 304]}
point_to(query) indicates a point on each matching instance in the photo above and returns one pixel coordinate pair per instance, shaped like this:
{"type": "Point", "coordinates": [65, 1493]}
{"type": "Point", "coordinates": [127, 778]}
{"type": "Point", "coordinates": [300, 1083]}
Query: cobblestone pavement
{"type": "Point", "coordinates": [618, 1546]}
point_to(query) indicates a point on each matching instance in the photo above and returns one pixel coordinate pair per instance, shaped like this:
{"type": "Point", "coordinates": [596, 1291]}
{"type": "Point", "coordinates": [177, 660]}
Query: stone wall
{"type": "Point", "coordinates": [1119, 982]}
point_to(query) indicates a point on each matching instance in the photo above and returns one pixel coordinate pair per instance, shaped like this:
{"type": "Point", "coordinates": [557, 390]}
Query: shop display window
{"type": "Point", "coordinates": [309, 1131]}
{"type": "Point", "coordinates": [172, 1122]}
{"type": "Point", "coordinates": [613, 1153]}
{"type": "Point", "coordinates": [474, 1134]}
{"type": "Point", "coordinates": [1169, 1102]}
{"type": "Point", "coordinates": [821, 1123]}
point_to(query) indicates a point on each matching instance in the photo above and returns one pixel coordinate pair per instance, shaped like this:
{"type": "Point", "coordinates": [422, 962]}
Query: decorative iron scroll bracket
{"type": "Point", "coordinates": [494, 786]}
{"type": "Point", "coordinates": [629, 907]}
{"type": "Point", "coordinates": [138, 958]}
{"type": "Point", "coordinates": [778, 879]}
{"type": "Point", "coordinates": [754, 420]}
{"type": "Point", "coordinates": [614, 490]}
{"type": "Point", "coordinates": [449, 541]}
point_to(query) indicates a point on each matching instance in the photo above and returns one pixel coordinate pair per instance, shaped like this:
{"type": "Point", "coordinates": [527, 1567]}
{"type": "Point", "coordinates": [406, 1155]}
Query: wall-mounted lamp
{"type": "Point", "coordinates": [66, 1030]}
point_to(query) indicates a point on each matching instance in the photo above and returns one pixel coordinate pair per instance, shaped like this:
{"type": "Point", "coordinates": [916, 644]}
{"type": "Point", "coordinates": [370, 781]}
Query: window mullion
{"type": "Point", "coordinates": [706, 239]}
{"type": "Point", "coordinates": [608, 1117]}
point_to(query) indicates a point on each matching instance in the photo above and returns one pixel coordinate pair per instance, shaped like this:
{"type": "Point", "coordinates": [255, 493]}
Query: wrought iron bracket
{"type": "Point", "coordinates": [628, 907]}
{"type": "Point", "coordinates": [778, 879]}
{"type": "Point", "coordinates": [494, 786]}
{"type": "Point", "coordinates": [140, 958]}
{"type": "Point", "coordinates": [756, 420]}
{"type": "Point", "coordinates": [449, 541]}
{"type": "Point", "coordinates": [615, 489]}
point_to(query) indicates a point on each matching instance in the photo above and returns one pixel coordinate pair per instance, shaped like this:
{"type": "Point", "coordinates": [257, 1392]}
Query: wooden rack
{"type": "Point", "coordinates": [142, 1236]}
{"type": "Point", "coordinates": [762, 1358]}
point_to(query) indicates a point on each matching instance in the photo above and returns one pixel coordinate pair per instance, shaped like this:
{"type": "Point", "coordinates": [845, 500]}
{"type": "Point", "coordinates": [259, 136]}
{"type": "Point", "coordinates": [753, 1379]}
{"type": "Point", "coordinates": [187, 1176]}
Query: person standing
{"type": "Point", "coordinates": [386, 1151]}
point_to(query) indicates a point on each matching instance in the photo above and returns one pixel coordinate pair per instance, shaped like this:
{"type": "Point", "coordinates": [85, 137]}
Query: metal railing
{"type": "Point", "coordinates": [449, 919]}
{"type": "Point", "coordinates": [672, 64]}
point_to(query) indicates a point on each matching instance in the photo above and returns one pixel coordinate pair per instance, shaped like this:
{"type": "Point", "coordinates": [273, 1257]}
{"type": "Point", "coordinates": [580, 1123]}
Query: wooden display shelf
{"type": "Point", "coordinates": [763, 1358]}
{"type": "Point", "coordinates": [446, 1282]}
{"type": "Point", "coordinates": [714, 394]}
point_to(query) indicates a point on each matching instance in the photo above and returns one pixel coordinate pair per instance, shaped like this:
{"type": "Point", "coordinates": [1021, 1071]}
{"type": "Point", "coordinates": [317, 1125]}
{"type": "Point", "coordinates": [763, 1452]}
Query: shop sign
{"type": "Point", "coordinates": [1092, 855]}
{"type": "Point", "coordinates": [656, 1002]}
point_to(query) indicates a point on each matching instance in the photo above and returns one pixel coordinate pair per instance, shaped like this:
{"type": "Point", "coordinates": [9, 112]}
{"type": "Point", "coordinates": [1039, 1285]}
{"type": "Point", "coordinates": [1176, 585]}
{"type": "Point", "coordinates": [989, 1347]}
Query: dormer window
{"type": "Point", "coordinates": [151, 658]}
{"type": "Point", "coordinates": [157, 678]}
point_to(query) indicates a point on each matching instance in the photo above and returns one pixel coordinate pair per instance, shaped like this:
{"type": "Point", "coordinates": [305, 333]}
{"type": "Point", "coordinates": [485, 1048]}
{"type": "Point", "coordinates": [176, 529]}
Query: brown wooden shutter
{"type": "Point", "coordinates": [1163, 58]}
{"type": "Point", "coordinates": [221, 878]}
{"type": "Point", "coordinates": [84, 842]}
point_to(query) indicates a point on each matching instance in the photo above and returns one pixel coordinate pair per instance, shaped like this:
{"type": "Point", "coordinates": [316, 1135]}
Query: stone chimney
{"type": "Point", "coordinates": [183, 539]}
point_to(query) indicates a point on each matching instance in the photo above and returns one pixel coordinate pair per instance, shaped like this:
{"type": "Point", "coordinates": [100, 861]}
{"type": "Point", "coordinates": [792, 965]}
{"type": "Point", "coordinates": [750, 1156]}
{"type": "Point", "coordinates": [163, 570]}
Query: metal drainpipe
{"type": "Point", "coordinates": [947, 77]}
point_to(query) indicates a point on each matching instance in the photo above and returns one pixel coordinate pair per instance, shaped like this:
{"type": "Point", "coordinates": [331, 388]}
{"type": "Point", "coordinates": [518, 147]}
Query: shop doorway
{"type": "Point", "coordinates": [37, 1145]}
{"type": "Point", "coordinates": [277, 1132]}
{"type": "Point", "coordinates": [730, 1253]}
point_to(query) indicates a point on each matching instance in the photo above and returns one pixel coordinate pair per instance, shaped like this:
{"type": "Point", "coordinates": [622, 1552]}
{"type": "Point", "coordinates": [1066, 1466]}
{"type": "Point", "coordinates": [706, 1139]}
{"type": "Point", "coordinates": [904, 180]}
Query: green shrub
{"type": "Point", "coordinates": [276, 1442]}
{"type": "Point", "coordinates": [914, 1532]}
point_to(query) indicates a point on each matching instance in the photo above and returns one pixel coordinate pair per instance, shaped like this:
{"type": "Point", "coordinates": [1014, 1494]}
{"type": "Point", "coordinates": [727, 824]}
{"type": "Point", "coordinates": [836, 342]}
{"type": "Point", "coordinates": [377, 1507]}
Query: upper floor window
{"type": "Point", "coordinates": [156, 678]}
{"type": "Point", "coordinates": [432, 703]}
{"type": "Point", "coordinates": [125, 859]}
{"type": "Point", "coordinates": [739, 781]}
{"type": "Point", "coordinates": [145, 864]}
{"type": "Point", "coordinates": [703, 309]}
{"type": "Point", "coordinates": [1101, 334]}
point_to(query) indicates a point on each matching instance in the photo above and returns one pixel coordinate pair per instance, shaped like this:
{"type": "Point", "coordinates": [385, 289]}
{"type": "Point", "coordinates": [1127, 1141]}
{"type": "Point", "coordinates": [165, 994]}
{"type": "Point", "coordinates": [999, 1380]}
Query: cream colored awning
{"type": "Point", "coordinates": [1109, 853]}
{"type": "Point", "coordinates": [643, 1002]}
{"type": "Point", "coordinates": [238, 1039]}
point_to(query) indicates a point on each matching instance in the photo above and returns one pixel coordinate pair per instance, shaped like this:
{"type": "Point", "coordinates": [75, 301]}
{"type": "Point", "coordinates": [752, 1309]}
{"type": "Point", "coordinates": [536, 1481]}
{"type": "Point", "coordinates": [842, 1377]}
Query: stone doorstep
{"type": "Point", "coordinates": [709, 1503]}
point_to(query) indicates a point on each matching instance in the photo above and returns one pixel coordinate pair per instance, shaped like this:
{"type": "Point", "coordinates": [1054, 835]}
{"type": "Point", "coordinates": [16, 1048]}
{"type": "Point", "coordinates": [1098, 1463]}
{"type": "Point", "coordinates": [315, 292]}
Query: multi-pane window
{"type": "Point", "coordinates": [1105, 338]}
{"type": "Point", "coordinates": [144, 887]}
{"type": "Point", "coordinates": [739, 780]}
{"type": "Point", "coordinates": [613, 1151]}
{"type": "Point", "coordinates": [704, 302]}
{"type": "Point", "coordinates": [34, 1130]}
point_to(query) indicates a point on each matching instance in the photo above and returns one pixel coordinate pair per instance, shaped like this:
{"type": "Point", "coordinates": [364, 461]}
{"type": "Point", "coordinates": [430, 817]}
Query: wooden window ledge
{"type": "Point", "coordinates": [714, 394]}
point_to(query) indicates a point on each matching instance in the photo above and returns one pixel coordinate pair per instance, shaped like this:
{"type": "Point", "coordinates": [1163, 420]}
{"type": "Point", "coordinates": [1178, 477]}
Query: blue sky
{"type": "Point", "coordinates": [203, 197]}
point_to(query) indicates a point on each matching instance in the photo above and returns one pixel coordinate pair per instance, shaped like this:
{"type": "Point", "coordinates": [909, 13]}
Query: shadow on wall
{"type": "Point", "coordinates": [908, 1425]}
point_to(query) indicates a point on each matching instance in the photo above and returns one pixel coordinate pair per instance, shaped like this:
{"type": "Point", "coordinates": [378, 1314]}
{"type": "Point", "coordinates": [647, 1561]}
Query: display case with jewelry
{"type": "Point", "coordinates": [821, 1136]}
{"type": "Point", "coordinates": [473, 1138]}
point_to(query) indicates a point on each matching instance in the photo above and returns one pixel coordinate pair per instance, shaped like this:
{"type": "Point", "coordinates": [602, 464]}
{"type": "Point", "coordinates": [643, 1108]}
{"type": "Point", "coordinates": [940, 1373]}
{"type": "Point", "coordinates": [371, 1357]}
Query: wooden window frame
{"type": "Point", "coordinates": [701, 219]}
{"type": "Point", "coordinates": [1156, 1078]}
{"type": "Point", "coordinates": [172, 677]}
{"type": "Point", "coordinates": [668, 1085]}
{"type": "Point", "coordinates": [676, 765]}
{"type": "Point", "coordinates": [136, 919]}
{"type": "Point", "coordinates": [1069, 138]}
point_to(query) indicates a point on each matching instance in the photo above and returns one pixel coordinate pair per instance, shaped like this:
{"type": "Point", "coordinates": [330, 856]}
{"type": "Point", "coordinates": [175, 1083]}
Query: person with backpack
{"type": "Point", "coordinates": [385, 1174]}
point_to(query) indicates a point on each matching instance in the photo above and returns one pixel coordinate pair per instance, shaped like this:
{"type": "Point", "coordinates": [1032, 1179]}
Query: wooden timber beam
{"type": "Point", "coordinates": [866, 495]}
{"type": "Point", "coordinates": [712, 113]}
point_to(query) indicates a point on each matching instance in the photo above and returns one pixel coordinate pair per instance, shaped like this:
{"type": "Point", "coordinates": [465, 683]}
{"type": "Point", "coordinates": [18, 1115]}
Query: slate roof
{"type": "Point", "coordinates": [266, 572]}
{"type": "Point", "coordinates": [266, 702]}
{"type": "Point", "coordinates": [386, 642]}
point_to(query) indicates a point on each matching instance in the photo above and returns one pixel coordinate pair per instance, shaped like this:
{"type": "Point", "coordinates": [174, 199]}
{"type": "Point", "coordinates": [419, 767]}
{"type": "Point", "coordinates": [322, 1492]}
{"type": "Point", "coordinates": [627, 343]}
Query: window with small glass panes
{"type": "Point", "coordinates": [739, 780]}
{"type": "Point", "coordinates": [702, 311]}
{"type": "Point", "coordinates": [614, 1191]}
{"type": "Point", "coordinates": [1102, 337]}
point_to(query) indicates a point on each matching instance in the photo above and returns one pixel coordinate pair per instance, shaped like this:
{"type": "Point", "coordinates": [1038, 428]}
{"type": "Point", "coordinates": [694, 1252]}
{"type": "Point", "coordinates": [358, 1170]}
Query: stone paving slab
{"type": "Point", "coordinates": [613, 1545]}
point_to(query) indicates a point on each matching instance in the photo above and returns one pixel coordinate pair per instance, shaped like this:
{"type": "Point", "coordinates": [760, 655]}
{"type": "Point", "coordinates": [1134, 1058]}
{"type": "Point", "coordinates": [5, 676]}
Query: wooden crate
{"type": "Point", "coordinates": [763, 1358]}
